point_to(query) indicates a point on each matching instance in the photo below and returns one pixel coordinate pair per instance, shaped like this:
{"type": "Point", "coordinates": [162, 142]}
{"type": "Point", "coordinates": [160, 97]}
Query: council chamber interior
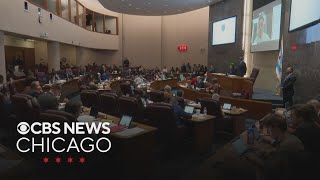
{"type": "Point", "coordinates": [148, 89]}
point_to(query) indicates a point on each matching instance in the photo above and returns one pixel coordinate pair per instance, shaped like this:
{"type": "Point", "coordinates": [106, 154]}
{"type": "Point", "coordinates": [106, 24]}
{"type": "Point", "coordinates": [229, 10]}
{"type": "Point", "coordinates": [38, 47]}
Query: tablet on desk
{"type": "Point", "coordinates": [125, 121]}
{"type": "Point", "coordinates": [226, 106]}
{"type": "Point", "coordinates": [239, 146]}
{"type": "Point", "coordinates": [189, 109]}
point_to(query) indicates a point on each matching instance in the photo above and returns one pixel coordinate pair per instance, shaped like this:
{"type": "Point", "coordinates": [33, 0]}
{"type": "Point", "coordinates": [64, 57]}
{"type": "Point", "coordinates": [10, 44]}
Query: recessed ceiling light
{"type": "Point", "coordinates": [130, 4]}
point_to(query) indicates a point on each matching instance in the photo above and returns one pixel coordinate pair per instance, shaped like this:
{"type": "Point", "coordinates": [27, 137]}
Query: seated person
{"type": "Point", "coordinates": [180, 99]}
{"type": "Point", "coordinates": [50, 100]}
{"type": "Point", "coordinates": [200, 82]}
{"type": "Point", "coordinates": [233, 70]}
{"type": "Point", "coordinates": [74, 108]}
{"type": "Point", "coordinates": [214, 87]}
{"type": "Point", "coordinates": [194, 81]}
{"type": "Point", "coordinates": [18, 72]}
{"type": "Point", "coordinates": [316, 104]}
{"type": "Point", "coordinates": [216, 97]}
{"type": "Point", "coordinates": [68, 73]}
{"type": "Point", "coordinates": [35, 89]}
{"type": "Point", "coordinates": [93, 86]}
{"type": "Point", "coordinates": [168, 97]}
{"type": "Point", "coordinates": [276, 162]}
{"type": "Point", "coordinates": [180, 115]}
{"type": "Point", "coordinates": [303, 118]}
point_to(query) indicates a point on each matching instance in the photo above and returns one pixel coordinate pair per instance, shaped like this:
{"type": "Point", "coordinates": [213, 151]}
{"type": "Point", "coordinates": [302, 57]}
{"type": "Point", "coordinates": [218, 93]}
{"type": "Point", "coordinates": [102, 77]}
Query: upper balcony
{"type": "Point", "coordinates": [66, 21]}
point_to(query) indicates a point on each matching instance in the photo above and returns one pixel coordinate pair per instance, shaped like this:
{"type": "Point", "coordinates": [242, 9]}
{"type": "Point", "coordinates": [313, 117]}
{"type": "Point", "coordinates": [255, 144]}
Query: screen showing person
{"type": "Point", "coordinates": [224, 31]}
{"type": "Point", "coordinates": [266, 23]}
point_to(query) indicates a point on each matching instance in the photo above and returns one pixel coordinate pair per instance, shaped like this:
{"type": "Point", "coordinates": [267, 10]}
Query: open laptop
{"type": "Point", "coordinates": [189, 109]}
{"type": "Point", "coordinates": [123, 124]}
{"type": "Point", "coordinates": [226, 106]}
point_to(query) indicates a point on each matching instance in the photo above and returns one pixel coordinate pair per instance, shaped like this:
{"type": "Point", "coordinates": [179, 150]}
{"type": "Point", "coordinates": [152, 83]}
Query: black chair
{"type": "Point", "coordinates": [161, 115]}
{"type": "Point", "coordinates": [129, 106]}
{"type": "Point", "coordinates": [222, 125]}
{"type": "Point", "coordinates": [156, 96]}
{"type": "Point", "coordinates": [89, 98]}
{"type": "Point", "coordinates": [25, 107]}
{"type": "Point", "coordinates": [109, 104]}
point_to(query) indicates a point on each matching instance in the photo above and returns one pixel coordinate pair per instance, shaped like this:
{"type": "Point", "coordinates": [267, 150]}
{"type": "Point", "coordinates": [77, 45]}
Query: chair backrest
{"type": "Point", "coordinates": [156, 96]}
{"type": "Point", "coordinates": [212, 106]}
{"type": "Point", "coordinates": [70, 117]}
{"type": "Point", "coordinates": [162, 116]}
{"type": "Point", "coordinates": [126, 89]}
{"type": "Point", "coordinates": [129, 106]}
{"type": "Point", "coordinates": [25, 107]}
{"type": "Point", "coordinates": [49, 117]}
{"type": "Point", "coordinates": [109, 103]}
{"type": "Point", "coordinates": [89, 98]}
{"type": "Point", "coordinates": [254, 74]}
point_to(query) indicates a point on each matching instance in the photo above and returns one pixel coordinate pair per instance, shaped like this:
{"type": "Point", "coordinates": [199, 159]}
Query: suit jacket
{"type": "Point", "coordinates": [242, 69]}
{"type": "Point", "coordinates": [287, 86]}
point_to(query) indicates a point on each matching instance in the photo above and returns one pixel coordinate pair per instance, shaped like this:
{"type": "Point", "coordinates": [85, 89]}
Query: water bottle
{"type": "Point", "coordinates": [205, 111]}
{"type": "Point", "coordinates": [250, 132]}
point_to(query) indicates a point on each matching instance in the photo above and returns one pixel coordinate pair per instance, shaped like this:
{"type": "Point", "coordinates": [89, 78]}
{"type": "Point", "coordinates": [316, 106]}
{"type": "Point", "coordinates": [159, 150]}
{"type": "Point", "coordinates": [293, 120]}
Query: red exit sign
{"type": "Point", "coordinates": [183, 48]}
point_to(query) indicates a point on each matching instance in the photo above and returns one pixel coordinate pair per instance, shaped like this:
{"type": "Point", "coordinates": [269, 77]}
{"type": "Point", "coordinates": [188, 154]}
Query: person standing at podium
{"type": "Point", "coordinates": [242, 67]}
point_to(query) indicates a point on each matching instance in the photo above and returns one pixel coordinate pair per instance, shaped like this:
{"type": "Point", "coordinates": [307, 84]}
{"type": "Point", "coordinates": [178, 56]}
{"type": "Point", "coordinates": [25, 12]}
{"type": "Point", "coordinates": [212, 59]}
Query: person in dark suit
{"type": "Point", "coordinates": [242, 68]}
{"type": "Point", "coordinates": [288, 87]}
{"type": "Point", "coordinates": [50, 100]}
{"type": "Point", "coordinates": [35, 89]}
{"type": "Point", "coordinates": [232, 70]}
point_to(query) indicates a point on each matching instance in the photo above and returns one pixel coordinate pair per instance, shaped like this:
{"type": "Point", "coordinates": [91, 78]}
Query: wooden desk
{"type": "Point", "coordinates": [233, 84]}
{"type": "Point", "coordinates": [68, 88]}
{"type": "Point", "coordinates": [203, 132]}
{"type": "Point", "coordinates": [159, 85]}
{"type": "Point", "coordinates": [238, 117]}
{"type": "Point", "coordinates": [256, 109]}
{"type": "Point", "coordinates": [225, 156]}
{"type": "Point", "coordinates": [129, 155]}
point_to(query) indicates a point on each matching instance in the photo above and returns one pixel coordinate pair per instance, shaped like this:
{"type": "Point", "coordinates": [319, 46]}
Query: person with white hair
{"type": "Point", "coordinates": [18, 72]}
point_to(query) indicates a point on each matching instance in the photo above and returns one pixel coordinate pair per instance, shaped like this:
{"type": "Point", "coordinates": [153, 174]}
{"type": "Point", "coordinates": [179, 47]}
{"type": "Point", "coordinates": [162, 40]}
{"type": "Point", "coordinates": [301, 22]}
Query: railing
{"type": "Point", "coordinates": [76, 13]}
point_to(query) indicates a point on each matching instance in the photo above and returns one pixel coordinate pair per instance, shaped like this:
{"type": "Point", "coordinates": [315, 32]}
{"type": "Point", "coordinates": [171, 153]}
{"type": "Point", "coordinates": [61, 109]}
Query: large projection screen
{"type": "Point", "coordinates": [266, 27]}
{"type": "Point", "coordinates": [304, 13]}
{"type": "Point", "coordinates": [224, 31]}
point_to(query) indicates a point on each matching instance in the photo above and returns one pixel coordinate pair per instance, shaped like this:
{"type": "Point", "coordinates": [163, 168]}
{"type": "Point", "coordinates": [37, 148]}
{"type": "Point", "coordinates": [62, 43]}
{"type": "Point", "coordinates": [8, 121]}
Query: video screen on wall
{"type": "Point", "coordinates": [224, 31]}
{"type": "Point", "coordinates": [303, 13]}
{"type": "Point", "coordinates": [266, 27]}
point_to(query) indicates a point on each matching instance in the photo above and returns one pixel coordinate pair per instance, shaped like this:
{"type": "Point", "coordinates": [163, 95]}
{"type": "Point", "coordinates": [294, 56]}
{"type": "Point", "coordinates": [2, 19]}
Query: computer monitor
{"type": "Point", "coordinates": [189, 109]}
{"type": "Point", "coordinates": [226, 106]}
{"type": "Point", "coordinates": [125, 121]}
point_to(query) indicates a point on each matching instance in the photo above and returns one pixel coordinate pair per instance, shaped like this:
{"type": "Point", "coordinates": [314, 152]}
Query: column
{"type": "Point", "coordinates": [54, 56]}
{"type": "Point", "coordinates": [81, 56]}
{"type": "Point", "coordinates": [2, 57]}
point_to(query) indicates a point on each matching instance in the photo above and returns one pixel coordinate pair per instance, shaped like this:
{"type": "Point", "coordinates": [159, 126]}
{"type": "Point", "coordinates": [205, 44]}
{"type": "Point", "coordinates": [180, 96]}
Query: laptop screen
{"type": "Point", "coordinates": [226, 106]}
{"type": "Point", "coordinates": [189, 109]}
{"type": "Point", "coordinates": [125, 121]}
{"type": "Point", "coordinates": [239, 146]}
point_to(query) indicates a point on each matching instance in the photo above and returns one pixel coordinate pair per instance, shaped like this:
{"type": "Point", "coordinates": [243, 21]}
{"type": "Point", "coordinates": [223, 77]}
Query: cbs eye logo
{"type": "Point", "coordinates": [23, 128]}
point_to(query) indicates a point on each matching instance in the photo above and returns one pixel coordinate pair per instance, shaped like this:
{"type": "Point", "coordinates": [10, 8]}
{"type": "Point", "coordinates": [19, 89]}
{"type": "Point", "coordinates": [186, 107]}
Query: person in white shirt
{"type": "Point", "coordinates": [165, 70]}
{"type": "Point", "coordinates": [261, 35]}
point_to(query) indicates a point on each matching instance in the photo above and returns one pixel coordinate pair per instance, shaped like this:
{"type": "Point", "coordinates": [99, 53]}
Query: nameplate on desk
{"type": "Point", "coordinates": [130, 132]}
